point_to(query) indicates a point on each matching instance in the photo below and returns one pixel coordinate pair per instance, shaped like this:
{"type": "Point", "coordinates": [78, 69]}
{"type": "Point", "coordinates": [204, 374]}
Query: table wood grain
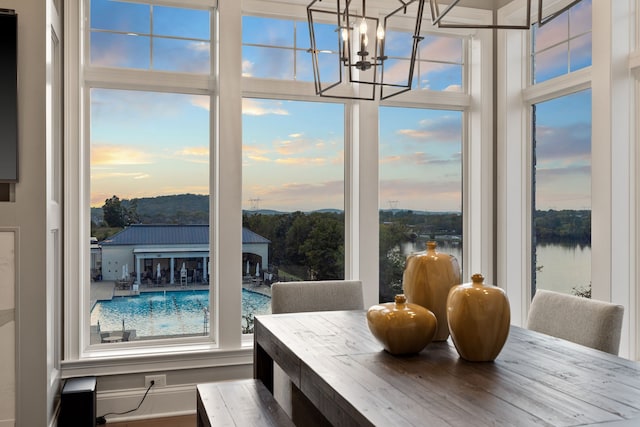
{"type": "Point", "coordinates": [335, 362]}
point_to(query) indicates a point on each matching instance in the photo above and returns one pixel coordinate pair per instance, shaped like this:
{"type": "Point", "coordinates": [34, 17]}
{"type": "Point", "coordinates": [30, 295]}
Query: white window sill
{"type": "Point", "coordinates": [116, 361]}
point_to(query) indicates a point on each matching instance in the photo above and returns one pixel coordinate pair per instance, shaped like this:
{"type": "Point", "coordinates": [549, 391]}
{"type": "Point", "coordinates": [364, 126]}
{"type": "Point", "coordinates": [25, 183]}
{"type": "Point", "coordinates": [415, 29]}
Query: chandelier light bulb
{"type": "Point", "coordinates": [364, 39]}
{"type": "Point", "coordinates": [345, 34]}
{"type": "Point", "coordinates": [380, 32]}
{"type": "Point", "coordinates": [363, 26]}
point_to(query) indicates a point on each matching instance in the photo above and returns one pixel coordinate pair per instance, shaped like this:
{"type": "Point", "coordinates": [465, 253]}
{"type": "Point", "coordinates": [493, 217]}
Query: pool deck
{"type": "Point", "coordinates": [106, 290]}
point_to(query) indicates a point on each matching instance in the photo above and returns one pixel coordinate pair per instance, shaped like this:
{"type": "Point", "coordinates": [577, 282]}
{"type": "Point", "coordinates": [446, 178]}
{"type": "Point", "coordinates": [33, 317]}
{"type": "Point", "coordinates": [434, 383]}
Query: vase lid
{"type": "Point", "coordinates": [400, 299]}
{"type": "Point", "coordinates": [477, 278]}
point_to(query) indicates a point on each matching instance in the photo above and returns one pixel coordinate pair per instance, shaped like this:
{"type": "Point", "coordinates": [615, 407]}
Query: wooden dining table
{"type": "Point", "coordinates": [341, 376]}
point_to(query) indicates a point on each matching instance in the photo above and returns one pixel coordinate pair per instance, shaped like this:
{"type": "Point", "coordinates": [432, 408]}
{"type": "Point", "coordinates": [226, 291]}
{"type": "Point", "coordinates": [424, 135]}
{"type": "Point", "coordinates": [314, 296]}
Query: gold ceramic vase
{"type": "Point", "coordinates": [479, 316]}
{"type": "Point", "coordinates": [400, 327]}
{"type": "Point", "coordinates": [426, 281]}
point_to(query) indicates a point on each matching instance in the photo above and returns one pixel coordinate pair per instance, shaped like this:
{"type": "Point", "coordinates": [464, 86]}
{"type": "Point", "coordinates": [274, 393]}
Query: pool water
{"type": "Point", "coordinates": [153, 314]}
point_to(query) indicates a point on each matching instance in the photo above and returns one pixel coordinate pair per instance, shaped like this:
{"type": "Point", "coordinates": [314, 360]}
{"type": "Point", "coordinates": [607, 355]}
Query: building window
{"type": "Point", "coordinates": [277, 48]}
{"type": "Point", "coordinates": [149, 37]}
{"type": "Point", "coordinates": [293, 192]}
{"type": "Point", "coordinates": [561, 157]}
{"type": "Point", "coordinates": [562, 194]}
{"type": "Point", "coordinates": [149, 169]}
{"type": "Point", "coordinates": [563, 45]}
{"type": "Point", "coordinates": [420, 188]}
{"type": "Point", "coordinates": [440, 64]}
{"type": "Point", "coordinates": [148, 166]}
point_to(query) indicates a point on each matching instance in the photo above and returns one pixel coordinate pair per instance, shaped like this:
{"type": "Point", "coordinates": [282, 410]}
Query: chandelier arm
{"type": "Point", "coordinates": [437, 17]}
{"type": "Point", "coordinates": [542, 21]}
{"type": "Point", "coordinates": [416, 42]}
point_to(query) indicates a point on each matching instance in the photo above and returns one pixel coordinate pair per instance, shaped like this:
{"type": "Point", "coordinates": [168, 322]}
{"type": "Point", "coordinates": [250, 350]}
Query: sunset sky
{"type": "Point", "coordinates": [146, 144]}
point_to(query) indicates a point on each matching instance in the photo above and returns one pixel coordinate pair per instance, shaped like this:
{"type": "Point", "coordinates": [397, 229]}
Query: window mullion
{"type": "Point", "coordinates": [157, 81]}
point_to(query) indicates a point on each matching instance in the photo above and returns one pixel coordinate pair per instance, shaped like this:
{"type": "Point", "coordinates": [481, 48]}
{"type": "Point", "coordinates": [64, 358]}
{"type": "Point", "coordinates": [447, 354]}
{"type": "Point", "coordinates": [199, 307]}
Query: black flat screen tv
{"type": "Point", "coordinates": [8, 96]}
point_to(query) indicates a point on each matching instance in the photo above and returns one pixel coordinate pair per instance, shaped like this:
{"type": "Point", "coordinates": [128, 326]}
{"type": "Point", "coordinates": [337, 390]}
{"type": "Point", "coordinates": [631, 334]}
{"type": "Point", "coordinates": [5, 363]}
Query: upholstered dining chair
{"type": "Point", "coordinates": [592, 323]}
{"type": "Point", "coordinates": [296, 297]}
{"type": "Point", "coordinates": [328, 295]}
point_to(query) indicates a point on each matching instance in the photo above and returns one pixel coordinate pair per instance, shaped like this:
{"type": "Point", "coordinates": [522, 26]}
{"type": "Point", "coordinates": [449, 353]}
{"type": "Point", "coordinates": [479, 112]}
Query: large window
{"type": "Point", "coordinates": [279, 49]}
{"type": "Point", "coordinates": [420, 188]}
{"type": "Point", "coordinates": [188, 212]}
{"type": "Point", "coordinates": [149, 37]}
{"type": "Point", "coordinates": [562, 192]}
{"type": "Point", "coordinates": [148, 193]}
{"type": "Point", "coordinates": [149, 169]}
{"type": "Point", "coordinates": [293, 196]}
{"type": "Point", "coordinates": [561, 153]}
{"type": "Point", "coordinates": [563, 44]}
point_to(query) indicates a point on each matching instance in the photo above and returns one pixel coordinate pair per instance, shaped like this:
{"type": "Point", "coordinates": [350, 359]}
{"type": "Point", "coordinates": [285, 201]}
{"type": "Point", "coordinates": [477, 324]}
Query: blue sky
{"type": "Point", "coordinates": [563, 170]}
{"type": "Point", "coordinates": [293, 155]}
{"type": "Point", "coordinates": [420, 159]}
{"type": "Point", "coordinates": [148, 144]}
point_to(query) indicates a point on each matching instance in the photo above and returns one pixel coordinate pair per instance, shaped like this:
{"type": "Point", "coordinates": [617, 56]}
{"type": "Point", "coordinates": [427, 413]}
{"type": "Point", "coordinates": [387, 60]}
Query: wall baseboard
{"type": "Point", "coordinates": [7, 423]}
{"type": "Point", "coordinates": [169, 401]}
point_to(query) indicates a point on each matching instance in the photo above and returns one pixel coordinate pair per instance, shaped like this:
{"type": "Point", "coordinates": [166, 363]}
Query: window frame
{"type": "Point", "coordinates": [78, 354]}
{"type": "Point", "coordinates": [361, 181]}
{"type": "Point", "coordinates": [113, 78]}
{"type": "Point", "coordinates": [247, 339]}
{"type": "Point", "coordinates": [515, 162]}
{"type": "Point", "coordinates": [615, 206]}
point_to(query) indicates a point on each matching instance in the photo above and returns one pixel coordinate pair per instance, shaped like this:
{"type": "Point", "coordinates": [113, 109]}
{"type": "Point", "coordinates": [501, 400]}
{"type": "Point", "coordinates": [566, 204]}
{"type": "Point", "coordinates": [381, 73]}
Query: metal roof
{"type": "Point", "coordinates": [168, 235]}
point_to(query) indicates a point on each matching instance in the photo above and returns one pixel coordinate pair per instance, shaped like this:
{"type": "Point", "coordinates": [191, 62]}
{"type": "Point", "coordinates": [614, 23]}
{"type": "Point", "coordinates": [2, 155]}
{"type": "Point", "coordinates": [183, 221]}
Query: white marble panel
{"type": "Point", "coordinates": [7, 328]}
{"type": "Point", "coordinates": [7, 270]}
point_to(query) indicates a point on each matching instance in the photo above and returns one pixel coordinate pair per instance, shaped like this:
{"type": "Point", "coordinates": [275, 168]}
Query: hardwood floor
{"type": "Point", "coordinates": [184, 421]}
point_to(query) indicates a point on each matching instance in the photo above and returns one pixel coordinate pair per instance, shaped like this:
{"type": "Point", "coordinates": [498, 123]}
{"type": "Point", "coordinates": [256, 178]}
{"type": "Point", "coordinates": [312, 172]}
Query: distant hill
{"type": "Point", "coordinates": [262, 212]}
{"type": "Point", "coordinates": [180, 209]}
{"type": "Point", "coordinates": [170, 205]}
{"type": "Point", "coordinates": [175, 209]}
{"type": "Point", "coordinates": [274, 212]}
{"type": "Point", "coordinates": [194, 209]}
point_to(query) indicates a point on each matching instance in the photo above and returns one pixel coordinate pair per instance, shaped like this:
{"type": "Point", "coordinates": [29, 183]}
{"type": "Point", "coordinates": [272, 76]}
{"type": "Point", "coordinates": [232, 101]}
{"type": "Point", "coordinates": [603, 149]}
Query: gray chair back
{"type": "Point", "coordinates": [295, 297]}
{"type": "Point", "coordinates": [592, 323]}
{"type": "Point", "coordinates": [326, 295]}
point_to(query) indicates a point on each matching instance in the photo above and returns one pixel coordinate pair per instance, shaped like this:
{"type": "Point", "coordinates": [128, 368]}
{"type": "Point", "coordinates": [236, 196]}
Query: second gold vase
{"type": "Point", "coordinates": [426, 281]}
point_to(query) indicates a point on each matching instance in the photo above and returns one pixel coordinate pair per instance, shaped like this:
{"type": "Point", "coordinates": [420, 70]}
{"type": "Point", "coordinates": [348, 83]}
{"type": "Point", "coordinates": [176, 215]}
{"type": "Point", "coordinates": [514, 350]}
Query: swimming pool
{"type": "Point", "coordinates": [166, 313]}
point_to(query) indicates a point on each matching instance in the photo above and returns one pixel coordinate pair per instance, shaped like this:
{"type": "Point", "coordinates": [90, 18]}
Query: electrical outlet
{"type": "Point", "coordinates": [158, 380]}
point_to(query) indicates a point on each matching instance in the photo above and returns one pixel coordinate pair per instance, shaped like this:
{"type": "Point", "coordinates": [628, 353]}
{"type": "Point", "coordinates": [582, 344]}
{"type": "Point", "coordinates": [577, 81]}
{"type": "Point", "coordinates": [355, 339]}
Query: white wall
{"type": "Point", "coordinates": [27, 214]}
{"type": "Point", "coordinates": [7, 329]}
{"type": "Point", "coordinates": [113, 258]}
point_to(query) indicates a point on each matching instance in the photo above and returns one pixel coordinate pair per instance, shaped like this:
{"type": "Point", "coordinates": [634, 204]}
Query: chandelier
{"type": "Point", "coordinates": [440, 9]}
{"type": "Point", "coordinates": [359, 56]}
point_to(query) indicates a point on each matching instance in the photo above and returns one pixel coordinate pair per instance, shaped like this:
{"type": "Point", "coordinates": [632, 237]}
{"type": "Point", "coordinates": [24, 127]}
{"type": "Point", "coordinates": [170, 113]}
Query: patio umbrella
{"type": "Point", "coordinates": [248, 272]}
{"type": "Point", "coordinates": [158, 270]}
{"type": "Point", "coordinates": [124, 272]}
{"type": "Point", "coordinates": [258, 270]}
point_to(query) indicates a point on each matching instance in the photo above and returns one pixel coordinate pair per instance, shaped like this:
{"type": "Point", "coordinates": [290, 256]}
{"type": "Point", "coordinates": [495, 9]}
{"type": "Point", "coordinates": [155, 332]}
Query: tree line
{"type": "Point", "coordinates": [310, 245]}
{"type": "Point", "coordinates": [570, 226]}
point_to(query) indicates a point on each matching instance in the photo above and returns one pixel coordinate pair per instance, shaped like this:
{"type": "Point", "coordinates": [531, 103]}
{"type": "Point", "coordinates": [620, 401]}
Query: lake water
{"type": "Point", "coordinates": [561, 267]}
